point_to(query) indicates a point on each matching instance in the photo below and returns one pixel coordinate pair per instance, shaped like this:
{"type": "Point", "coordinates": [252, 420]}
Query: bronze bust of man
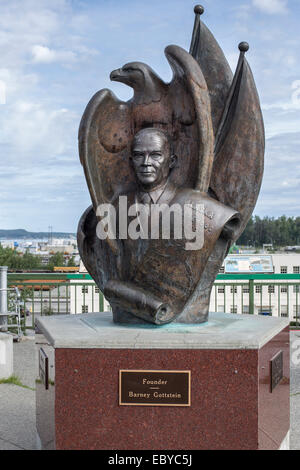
{"type": "Point", "coordinates": [159, 273]}
{"type": "Point", "coordinates": [188, 151]}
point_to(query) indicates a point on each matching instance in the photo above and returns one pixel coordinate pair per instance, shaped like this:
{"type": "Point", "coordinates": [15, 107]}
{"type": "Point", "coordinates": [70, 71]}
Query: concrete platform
{"type": "Point", "coordinates": [222, 331]}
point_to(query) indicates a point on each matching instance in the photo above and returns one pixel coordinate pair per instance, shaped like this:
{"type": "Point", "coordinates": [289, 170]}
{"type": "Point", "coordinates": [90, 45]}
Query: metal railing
{"type": "Point", "coordinates": [11, 318]}
{"type": "Point", "coordinates": [48, 294]}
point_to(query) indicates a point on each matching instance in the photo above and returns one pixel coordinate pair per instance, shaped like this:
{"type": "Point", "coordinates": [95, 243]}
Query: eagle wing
{"type": "Point", "coordinates": [192, 130]}
{"type": "Point", "coordinates": [104, 138]}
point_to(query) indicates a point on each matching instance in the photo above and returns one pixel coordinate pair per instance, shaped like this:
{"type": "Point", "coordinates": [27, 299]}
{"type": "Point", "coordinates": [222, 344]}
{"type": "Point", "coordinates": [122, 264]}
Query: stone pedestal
{"type": "Point", "coordinates": [6, 355]}
{"type": "Point", "coordinates": [232, 405]}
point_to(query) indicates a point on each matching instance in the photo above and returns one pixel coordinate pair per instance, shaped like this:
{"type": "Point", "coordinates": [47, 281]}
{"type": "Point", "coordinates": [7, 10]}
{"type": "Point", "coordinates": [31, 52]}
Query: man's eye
{"type": "Point", "coordinates": [137, 155]}
{"type": "Point", "coordinates": [156, 155]}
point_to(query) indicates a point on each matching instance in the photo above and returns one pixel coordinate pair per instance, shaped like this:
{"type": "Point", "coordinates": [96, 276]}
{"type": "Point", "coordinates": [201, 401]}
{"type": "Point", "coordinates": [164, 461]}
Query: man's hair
{"type": "Point", "coordinates": [161, 132]}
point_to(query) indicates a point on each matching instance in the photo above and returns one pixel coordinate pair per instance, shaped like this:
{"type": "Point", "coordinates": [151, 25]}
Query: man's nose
{"type": "Point", "coordinates": [146, 159]}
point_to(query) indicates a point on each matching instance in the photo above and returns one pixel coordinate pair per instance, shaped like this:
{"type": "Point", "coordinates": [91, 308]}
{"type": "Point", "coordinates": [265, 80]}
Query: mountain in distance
{"type": "Point", "coordinates": [20, 233]}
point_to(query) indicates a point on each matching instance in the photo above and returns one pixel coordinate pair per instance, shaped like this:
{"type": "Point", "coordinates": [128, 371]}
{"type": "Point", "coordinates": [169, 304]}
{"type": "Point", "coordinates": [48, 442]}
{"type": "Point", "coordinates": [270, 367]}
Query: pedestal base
{"type": "Point", "coordinates": [232, 406]}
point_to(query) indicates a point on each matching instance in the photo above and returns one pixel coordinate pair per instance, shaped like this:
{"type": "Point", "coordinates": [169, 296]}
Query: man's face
{"type": "Point", "coordinates": [151, 160]}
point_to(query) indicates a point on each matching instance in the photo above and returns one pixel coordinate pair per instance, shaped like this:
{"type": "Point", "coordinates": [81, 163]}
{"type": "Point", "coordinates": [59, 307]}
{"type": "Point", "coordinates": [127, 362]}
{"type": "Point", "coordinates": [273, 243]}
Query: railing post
{"type": "Point", "coordinates": [251, 297]}
{"type": "Point", "coordinates": [3, 297]}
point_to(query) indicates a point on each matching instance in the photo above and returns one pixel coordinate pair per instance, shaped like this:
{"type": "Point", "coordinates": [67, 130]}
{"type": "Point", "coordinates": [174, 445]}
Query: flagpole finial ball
{"type": "Point", "coordinates": [199, 9]}
{"type": "Point", "coordinates": [243, 46]}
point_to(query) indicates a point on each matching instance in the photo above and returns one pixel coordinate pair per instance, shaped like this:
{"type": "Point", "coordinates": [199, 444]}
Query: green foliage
{"type": "Point", "coordinates": [16, 260]}
{"type": "Point", "coordinates": [282, 231]}
{"type": "Point", "coordinates": [55, 260]}
{"type": "Point", "coordinates": [27, 261]}
{"type": "Point", "coordinates": [71, 263]}
{"type": "Point", "coordinates": [14, 380]}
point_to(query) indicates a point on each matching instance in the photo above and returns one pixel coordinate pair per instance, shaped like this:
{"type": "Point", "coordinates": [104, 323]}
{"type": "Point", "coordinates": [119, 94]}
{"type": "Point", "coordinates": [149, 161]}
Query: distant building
{"type": "Point", "coordinates": [85, 296]}
{"type": "Point", "coordinates": [275, 293]}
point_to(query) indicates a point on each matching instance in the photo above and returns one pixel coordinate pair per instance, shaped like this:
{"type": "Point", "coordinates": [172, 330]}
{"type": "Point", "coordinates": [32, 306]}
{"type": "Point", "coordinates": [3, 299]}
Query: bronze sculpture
{"type": "Point", "coordinates": [198, 140]}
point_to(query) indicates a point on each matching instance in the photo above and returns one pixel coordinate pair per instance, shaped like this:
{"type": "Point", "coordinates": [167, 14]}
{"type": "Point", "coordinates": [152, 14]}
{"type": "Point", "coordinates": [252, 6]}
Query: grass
{"type": "Point", "coordinates": [15, 380]}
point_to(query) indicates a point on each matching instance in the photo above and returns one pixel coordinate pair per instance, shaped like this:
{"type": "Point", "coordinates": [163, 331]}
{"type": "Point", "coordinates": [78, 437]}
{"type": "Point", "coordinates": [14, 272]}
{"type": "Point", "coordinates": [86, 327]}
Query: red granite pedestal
{"type": "Point", "coordinates": [232, 406]}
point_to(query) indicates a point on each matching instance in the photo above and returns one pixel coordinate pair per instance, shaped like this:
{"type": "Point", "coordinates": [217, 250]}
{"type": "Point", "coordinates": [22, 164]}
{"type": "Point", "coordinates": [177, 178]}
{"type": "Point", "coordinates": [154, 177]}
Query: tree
{"type": "Point", "coordinates": [56, 260]}
{"type": "Point", "coordinates": [280, 232]}
{"type": "Point", "coordinates": [17, 260]}
{"type": "Point", "coordinates": [71, 262]}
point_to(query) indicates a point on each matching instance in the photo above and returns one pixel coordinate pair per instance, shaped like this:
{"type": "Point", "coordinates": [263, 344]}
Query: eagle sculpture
{"type": "Point", "coordinates": [216, 127]}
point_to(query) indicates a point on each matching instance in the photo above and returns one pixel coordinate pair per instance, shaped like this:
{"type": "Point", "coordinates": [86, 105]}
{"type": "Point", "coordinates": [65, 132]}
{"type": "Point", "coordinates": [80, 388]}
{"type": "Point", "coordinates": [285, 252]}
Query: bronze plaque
{"type": "Point", "coordinates": [44, 368]}
{"type": "Point", "coordinates": [155, 387]}
{"type": "Point", "coordinates": [276, 370]}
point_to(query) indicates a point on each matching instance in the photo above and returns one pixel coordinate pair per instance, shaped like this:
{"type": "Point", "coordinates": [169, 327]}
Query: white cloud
{"type": "Point", "coordinates": [291, 183]}
{"type": "Point", "coordinates": [271, 7]}
{"type": "Point", "coordinates": [38, 131]}
{"type": "Point", "coordinates": [44, 55]}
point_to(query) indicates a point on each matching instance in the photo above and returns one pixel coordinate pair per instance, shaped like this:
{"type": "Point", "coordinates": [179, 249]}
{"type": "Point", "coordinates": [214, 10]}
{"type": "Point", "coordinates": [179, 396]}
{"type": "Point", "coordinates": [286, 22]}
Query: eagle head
{"type": "Point", "coordinates": [145, 82]}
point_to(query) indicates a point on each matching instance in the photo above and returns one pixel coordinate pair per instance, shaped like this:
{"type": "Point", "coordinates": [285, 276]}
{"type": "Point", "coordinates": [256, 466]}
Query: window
{"type": "Point", "coordinates": [96, 290]}
{"type": "Point", "coordinates": [245, 289]}
{"type": "Point", "coordinates": [221, 290]}
{"type": "Point", "coordinates": [296, 289]}
{"type": "Point", "coordinates": [283, 269]}
{"type": "Point", "coordinates": [258, 289]}
{"type": "Point", "coordinates": [296, 311]}
{"type": "Point", "coordinates": [233, 289]}
{"type": "Point", "coordinates": [221, 308]}
{"type": "Point", "coordinates": [283, 310]}
{"type": "Point", "coordinates": [84, 309]}
{"type": "Point", "coordinates": [233, 309]}
{"type": "Point", "coordinates": [283, 289]}
{"type": "Point", "coordinates": [271, 289]}
{"type": "Point", "coordinates": [85, 290]}
{"type": "Point", "coordinates": [246, 309]}
{"type": "Point", "coordinates": [296, 269]}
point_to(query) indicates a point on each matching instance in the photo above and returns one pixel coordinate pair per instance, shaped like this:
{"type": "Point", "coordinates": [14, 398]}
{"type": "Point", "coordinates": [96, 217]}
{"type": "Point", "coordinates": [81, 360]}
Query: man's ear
{"type": "Point", "coordinates": [173, 161]}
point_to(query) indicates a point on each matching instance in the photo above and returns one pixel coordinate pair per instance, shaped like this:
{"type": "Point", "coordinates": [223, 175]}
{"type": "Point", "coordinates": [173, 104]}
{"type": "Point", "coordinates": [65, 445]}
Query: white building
{"type": "Point", "coordinates": [85, 296]}
{"type": "Point", "coordinates": [276, 293]}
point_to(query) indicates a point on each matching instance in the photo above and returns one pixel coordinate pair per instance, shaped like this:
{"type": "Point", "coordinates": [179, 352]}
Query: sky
{"type": "Point", "coordinates": [55, 54]}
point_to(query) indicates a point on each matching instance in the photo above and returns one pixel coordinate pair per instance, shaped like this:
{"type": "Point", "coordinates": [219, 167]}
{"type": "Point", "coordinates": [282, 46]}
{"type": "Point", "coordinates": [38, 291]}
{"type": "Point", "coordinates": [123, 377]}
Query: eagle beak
{"type": "Point", "coordinates": [118, 76]}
